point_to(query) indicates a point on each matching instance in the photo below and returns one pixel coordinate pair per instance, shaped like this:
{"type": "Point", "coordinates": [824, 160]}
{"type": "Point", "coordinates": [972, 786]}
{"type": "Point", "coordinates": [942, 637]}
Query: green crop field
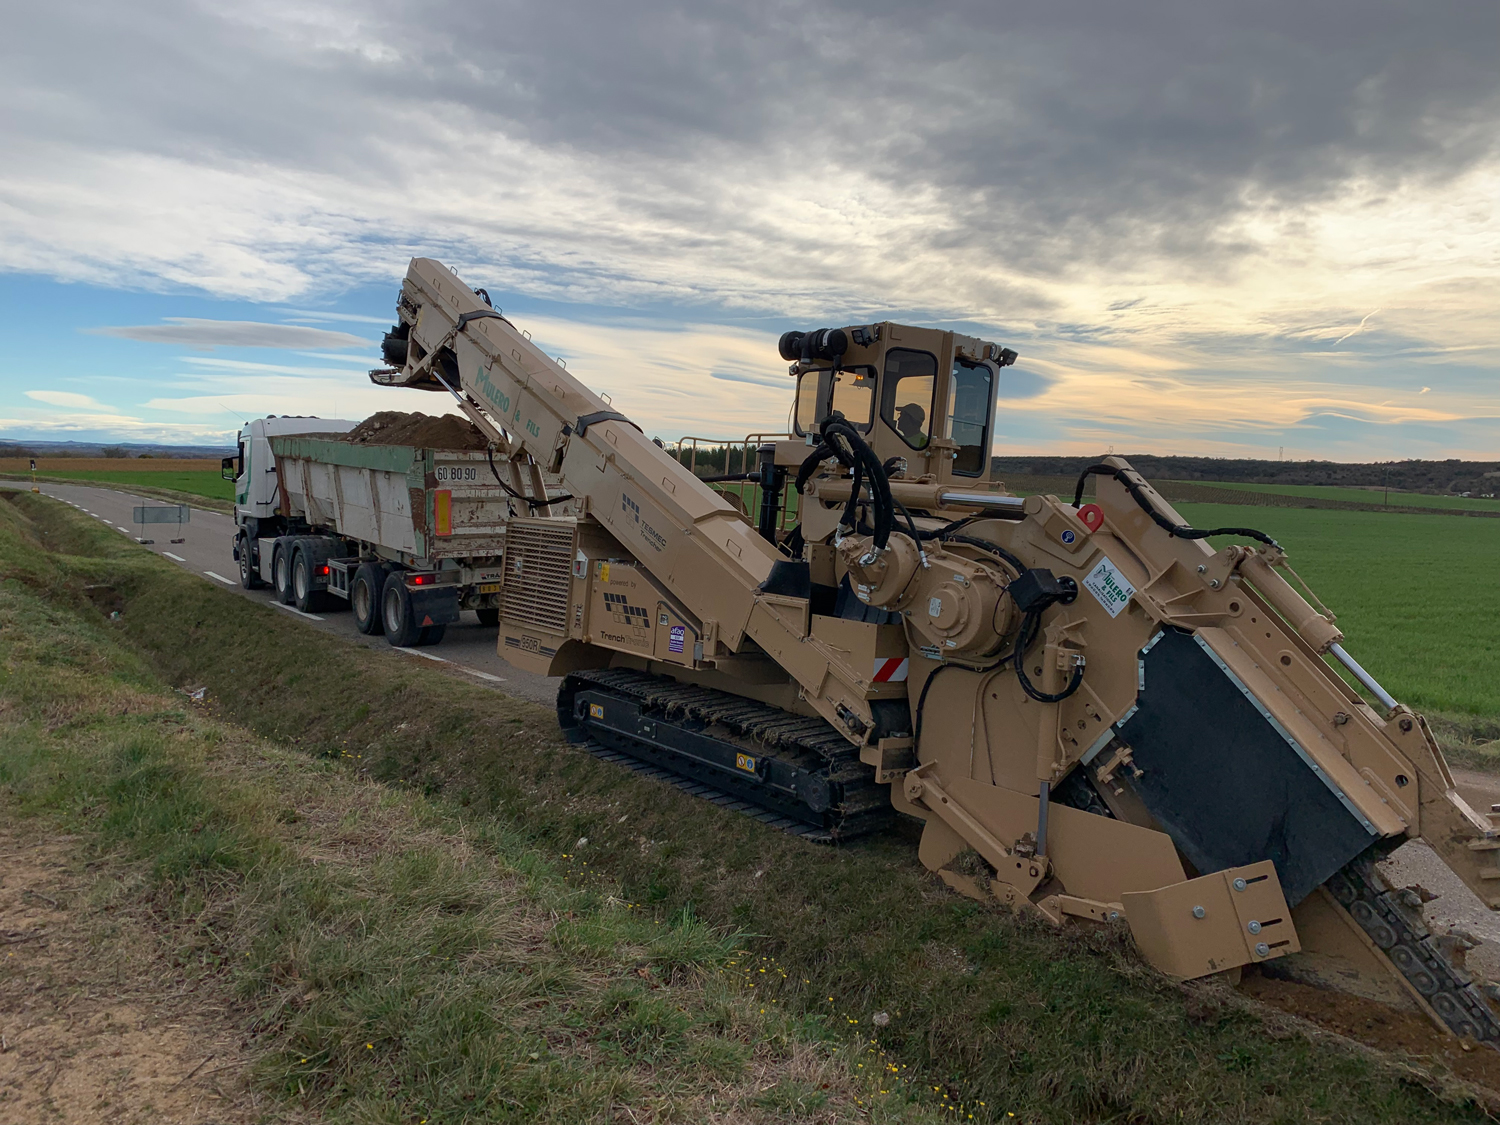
{"type": "Point", "coordinates": [1397, 499]}
{"type": "Point", "coordinates": [1414, 594]}
{"type": "Point", "coordinates": [198, 482]}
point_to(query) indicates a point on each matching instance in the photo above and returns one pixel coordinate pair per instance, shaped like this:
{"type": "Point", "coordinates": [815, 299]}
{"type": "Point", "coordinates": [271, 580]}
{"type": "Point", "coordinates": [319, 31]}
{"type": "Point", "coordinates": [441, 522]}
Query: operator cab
{"type": "Point", "coordinates": [922, 395]}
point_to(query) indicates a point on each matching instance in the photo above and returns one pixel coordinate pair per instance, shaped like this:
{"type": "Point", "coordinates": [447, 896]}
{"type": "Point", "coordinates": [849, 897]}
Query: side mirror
{"type": "Point", "coordinates": [229, 468]}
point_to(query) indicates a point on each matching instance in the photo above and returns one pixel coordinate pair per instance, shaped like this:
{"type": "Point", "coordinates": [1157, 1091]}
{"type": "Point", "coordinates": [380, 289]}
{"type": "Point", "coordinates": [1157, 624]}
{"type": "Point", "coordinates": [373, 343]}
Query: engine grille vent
{"type": "Point", "coordinates": [538, 574]}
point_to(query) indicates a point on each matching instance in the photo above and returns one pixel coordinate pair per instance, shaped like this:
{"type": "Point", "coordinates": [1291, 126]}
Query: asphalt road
{"type": "Point", "coordinates": [469, 649]}
{"type": "Point", "coordinates": [208, 551]}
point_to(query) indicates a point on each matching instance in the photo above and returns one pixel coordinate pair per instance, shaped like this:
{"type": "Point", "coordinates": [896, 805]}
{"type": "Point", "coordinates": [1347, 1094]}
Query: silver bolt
{"type": "Point", "coordinates": [1114, 915]}
{"type": "Point", "coordinates": [1202, 569]}
{"type": "Point", "coordinates": [1262, 949]}
{"type": "Point", "coordinates": [1253, 927]}
{"type": "Point", "coordinates": [867, 559]}
{"type": "Point", "coordinates": [1199, 912]}
{"type": "Point", "coordinates": [1213, 583]}
{"type": "Point", "coordinates": [1240, 884]}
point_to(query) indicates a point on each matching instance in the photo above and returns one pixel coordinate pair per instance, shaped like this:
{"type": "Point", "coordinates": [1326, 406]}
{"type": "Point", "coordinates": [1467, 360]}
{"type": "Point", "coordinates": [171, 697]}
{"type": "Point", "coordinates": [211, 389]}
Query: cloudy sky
{"type": "Point", "coordinates": [1208, 228]}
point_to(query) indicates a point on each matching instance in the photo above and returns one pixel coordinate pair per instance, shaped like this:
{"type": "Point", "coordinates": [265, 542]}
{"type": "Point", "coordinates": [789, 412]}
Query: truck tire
{"type": "Point", "coordinates": [489, 616]}
{"type": "Point", "coordinates": [249, 572]}
{"type": "Point", "coordinates": [401, 629]}
{"type": "Point", "coordinates": [307, 599]}
{"type": "Point", "coordinates": [281, 571]}
{"type": "Point", "coordinates": [431, 634]}
{"type": "Point", "coordinates": [364, 598]}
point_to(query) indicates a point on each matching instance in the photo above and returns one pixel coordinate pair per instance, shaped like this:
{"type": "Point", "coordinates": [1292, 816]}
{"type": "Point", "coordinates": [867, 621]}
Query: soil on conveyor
{"type": "Point", "coordinates": [392, 427]}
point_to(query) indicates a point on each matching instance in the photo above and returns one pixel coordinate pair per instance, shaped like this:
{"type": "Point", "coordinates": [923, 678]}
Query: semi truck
{"type": "Point", "coordinates": [407, 537]}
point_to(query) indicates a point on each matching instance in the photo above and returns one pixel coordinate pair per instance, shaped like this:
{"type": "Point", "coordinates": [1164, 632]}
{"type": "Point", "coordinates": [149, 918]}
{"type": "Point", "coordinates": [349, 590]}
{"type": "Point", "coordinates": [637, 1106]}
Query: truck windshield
{"type": "Point", "coordinates": [971, 394]}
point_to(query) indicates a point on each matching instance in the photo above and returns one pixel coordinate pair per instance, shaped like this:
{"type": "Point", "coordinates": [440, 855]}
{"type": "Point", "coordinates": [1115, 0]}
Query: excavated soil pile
{"type": "Point", "coordinates": [392, 427]}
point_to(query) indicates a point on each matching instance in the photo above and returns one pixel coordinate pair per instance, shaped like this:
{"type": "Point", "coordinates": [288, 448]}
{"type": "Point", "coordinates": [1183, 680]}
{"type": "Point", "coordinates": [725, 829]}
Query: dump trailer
{"type": "Point", "coordinates": [1097, 716]}
{"type": "Point", "coordinates": [407, 537]}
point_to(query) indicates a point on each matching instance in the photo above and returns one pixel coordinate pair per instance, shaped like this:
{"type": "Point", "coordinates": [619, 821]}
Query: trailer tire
{"type": "Point", "coordinates": [401, 629]}
{"type": "Point", "coordinates": [249, 573]}
{"type": "Point", "coordinates": [364, 598]}
{"type": "Point", "coordinates": [489, 615]}
{"type": "Point", "coordinates": [307, 599]}
{"type": "Point", "coordinates": [431, 634]}
{"type": "Point", "coordinates": [281, 571]}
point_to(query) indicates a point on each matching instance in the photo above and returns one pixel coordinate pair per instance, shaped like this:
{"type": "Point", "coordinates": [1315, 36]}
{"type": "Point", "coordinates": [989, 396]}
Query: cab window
{"type": "Point", "coordinates": [971, 397]}
{"type": "Point", "coordinates": [851, 392]}
{"type": "Point", "coordinates": [809, 386]}
{"type": "Point", "coordinates": [906, 404]}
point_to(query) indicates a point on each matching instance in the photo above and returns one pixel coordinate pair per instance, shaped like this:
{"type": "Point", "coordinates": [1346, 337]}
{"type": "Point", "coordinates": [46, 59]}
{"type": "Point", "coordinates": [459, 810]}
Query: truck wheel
{"type": "Point", "coordinates": [364, 598]}
{"type": "Point", "coordinates": [249, 572]}
{"type": "Point", "coordinates": [308, 599]}
{"type": "Point", "coordinates": [281, 573]}
{"type": "Point", "coordinates": [431, 634]}
{"type": "Point", "coordinates": [395, 614]}
{"type": "Point", "coordinates": [489, 615]}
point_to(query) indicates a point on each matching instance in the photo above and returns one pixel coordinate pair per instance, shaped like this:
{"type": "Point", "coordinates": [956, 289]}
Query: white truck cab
{"type": "Point", "coordinates": [253, 468]}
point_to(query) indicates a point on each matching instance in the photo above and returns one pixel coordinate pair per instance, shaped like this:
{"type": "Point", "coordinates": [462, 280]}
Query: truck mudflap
{"type": "Point", "coordinates": [433, 605]}
{"type": "Point", "coordinates": [795, 766]}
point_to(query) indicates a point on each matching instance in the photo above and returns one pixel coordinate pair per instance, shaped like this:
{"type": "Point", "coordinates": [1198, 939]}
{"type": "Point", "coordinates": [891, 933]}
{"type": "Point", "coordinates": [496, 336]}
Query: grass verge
{"type": "Point", "coordinates": [396, 959]}
{"type": "Point", "coordinates": [976, 1007]}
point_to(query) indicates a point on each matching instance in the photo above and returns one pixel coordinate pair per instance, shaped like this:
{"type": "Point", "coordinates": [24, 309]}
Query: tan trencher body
{"type": "Point", "coordinates": [1093, 712]}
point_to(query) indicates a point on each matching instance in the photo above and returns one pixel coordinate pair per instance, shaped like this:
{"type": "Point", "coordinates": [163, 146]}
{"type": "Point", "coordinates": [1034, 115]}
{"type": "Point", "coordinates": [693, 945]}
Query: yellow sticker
{"type": "Point", "coordinates": [604, 572]}
{"type": "Point", "coordinates": [744, 762]}
{"type": "Point", "coordinates": [596, 710]}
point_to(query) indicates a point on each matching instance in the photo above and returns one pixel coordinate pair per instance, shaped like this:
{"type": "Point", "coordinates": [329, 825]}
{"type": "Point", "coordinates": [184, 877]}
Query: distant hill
{"type": "Point", "coordinates": [122, 449]}
{"type": "Point", "coordinates": [1432, 477]}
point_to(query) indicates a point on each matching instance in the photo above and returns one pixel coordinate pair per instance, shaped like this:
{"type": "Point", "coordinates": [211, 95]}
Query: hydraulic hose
{"type": "Point", "coordinates": [843, 441]}
{"type": "Point", "coordinates": [490, 455]}
{"type": "Point", "coordinates": [1178, 531]}
{"type": "Point", "coordinates": [1029, 628]}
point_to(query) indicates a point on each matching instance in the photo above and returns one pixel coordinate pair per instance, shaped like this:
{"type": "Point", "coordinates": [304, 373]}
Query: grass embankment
{"type": "Point", "coordinates": [395, 958]}
{"type": "Point", "coordinates": [984, 1009]}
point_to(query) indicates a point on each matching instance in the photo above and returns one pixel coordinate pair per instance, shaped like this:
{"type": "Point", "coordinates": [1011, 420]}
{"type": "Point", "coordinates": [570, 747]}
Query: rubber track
{"type": "Point", "coordinates": [1398, 930]}
{"type": "Point", "coordinates": [809, 742]}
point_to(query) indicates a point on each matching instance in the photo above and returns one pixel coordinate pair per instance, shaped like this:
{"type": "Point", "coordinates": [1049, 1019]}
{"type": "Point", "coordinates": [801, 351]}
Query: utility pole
{"type": "Point", "coordinates": [1387, 486]}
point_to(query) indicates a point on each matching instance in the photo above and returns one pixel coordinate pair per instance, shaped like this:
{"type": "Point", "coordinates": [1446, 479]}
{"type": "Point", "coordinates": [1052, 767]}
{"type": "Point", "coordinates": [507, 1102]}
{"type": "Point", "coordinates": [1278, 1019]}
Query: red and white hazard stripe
{"type": "Point", "coordinates": [889, 670]}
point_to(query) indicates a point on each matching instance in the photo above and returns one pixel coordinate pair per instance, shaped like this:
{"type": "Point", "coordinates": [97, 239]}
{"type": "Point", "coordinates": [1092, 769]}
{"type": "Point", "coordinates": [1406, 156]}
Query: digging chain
{"type": "Point", "coordinates": [1400, 933]}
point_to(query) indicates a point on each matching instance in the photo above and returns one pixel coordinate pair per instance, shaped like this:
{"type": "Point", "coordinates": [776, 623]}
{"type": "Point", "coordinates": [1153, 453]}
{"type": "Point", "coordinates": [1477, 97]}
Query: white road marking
{"type": "Point", "coordinates": [170, 555]}
{"type": "Point", "coordinates": [483, 675]}
{"type": "Point", "coordinates": [298, 612]}
{"type": "Point", "coordinates": [424, 655]}
{"type": "Point", "coordinates": [221, 578]}
{"type": "Point", "coordinates": [126, 530]}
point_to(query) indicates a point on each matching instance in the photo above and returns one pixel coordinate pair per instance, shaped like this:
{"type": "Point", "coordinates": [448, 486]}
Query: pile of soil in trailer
{"type": "Point", "coordinates": [392, 427]}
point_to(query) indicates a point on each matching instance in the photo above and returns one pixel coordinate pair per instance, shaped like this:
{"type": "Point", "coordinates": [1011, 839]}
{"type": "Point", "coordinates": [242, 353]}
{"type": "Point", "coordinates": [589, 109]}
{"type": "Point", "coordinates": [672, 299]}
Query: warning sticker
{"type": "Point", "coordinates": [1109, 586]}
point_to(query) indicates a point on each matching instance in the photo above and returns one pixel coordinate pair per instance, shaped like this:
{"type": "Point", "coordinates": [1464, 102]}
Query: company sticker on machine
{"type": "Point", "coordinates": [676, 638]}
{"type": "Point", "coordinates": [1109, 586]}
